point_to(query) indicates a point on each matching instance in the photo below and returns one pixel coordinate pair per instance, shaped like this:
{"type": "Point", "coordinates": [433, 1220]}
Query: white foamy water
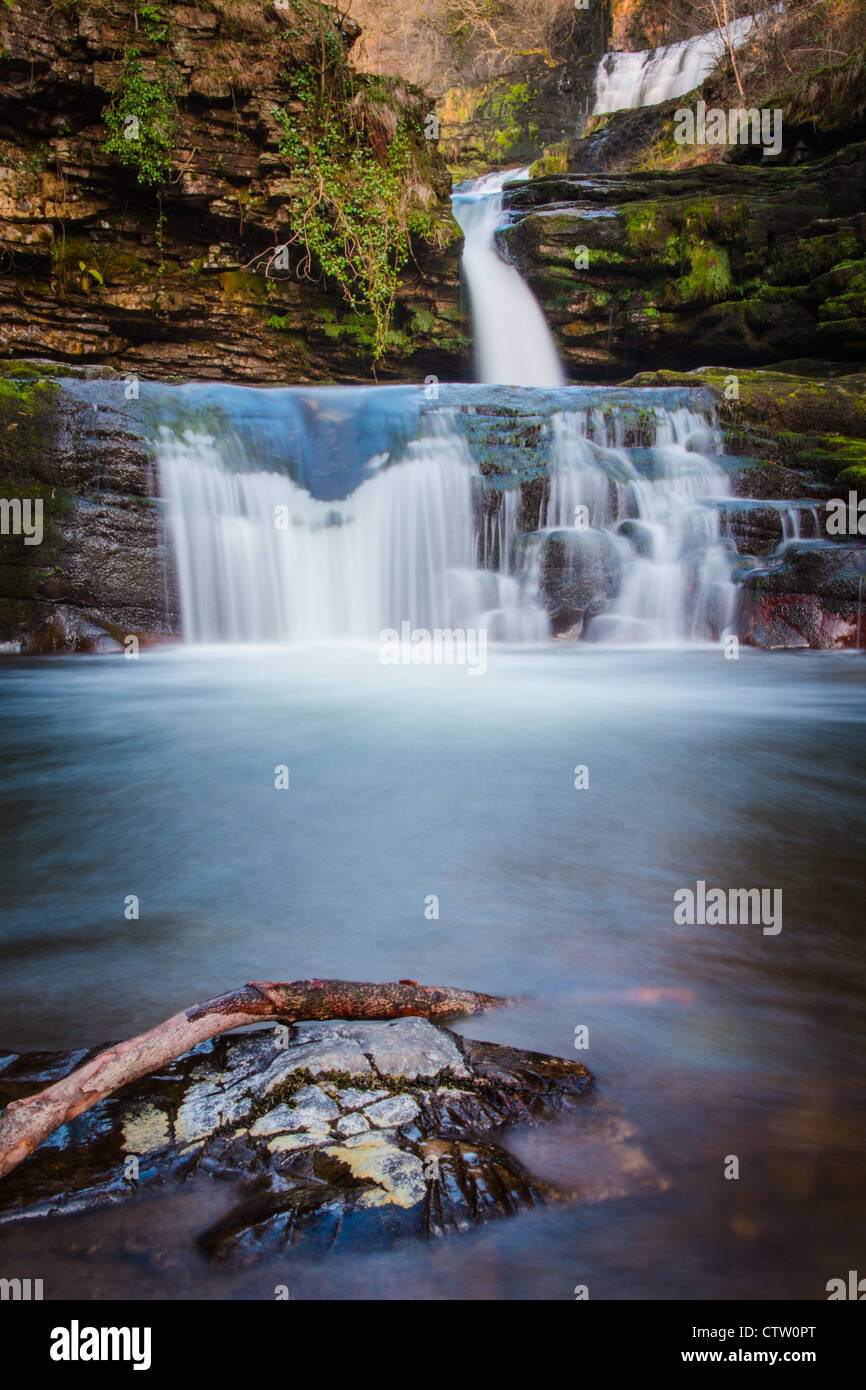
{"type": "Point", "coordinates": [427, 539]}
{"type": "Point", "coordinates": [513, 344]}
{"type": "Point", "coordinates": [655, 532]}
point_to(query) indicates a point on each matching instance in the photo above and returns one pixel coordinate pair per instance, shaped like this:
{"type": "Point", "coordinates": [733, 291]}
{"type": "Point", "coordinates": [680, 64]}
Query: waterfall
{"type": "Point", "coordinates": [625, 80]}
{"type": "Point", "coordinates": [513, 344]}
{"type": "Point", "coordinates": [336, 513]}
{"type": "Point", "coordinates": [617, 545]}
{"type": "Point", "coordinates": [259, 559]}
{"type": "Point", "coordinates": [641, 559]}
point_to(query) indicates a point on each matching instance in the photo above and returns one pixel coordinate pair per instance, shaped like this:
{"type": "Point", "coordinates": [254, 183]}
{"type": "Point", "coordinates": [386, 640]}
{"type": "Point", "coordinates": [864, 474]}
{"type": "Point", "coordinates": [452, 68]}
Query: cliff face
{"type": "Point", "coordinates": [98, 267]}
{"type": "Point", "coordinates": [637, 24]}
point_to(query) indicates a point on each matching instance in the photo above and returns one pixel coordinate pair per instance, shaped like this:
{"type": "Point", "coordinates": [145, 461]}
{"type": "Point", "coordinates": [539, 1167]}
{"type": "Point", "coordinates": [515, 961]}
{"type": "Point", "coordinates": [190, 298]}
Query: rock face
{"type": "Point", "coordinates": [579, 575]}
{"type": "Point", "coordinates": [810, 595]}
{"type": "Point", "coordinates": [99, 269]}
{"type": "Point", "coordinates": [102, 571]}
{"type": "Point", "coordinates": [351, 1135]}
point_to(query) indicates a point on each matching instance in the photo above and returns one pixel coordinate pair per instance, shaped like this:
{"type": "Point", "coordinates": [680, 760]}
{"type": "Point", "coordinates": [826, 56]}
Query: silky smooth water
{"type": "Point", "coordinates": [155, 777]}
{"type": "Point", "coordinates": [513, 344]}
{"type": "Point", "coordinates": [422, 535]}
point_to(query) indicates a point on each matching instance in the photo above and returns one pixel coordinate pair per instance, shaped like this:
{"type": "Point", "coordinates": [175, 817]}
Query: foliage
{"type": "Point", "coordinates": [141, 119]}
{"type": "Point", "coordinates": [152, 23]}
{"type": "Point", "coordinates": [498, 33]}
{"type": "Point", "coordinates": [353, 166]}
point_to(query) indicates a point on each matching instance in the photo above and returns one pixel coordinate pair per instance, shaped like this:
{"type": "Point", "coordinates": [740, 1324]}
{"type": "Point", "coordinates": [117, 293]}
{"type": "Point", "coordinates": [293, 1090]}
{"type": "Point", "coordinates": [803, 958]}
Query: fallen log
{"type": "Point", "coordinates": [25, 1123]}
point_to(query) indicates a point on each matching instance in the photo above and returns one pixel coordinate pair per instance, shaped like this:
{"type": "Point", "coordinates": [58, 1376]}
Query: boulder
{"type": "Point", "coordinates": [811, 596]}
{"type": "Point", "coordinates": [580, 571]}
{"type": "Point", "coordinates": [346, 1136]}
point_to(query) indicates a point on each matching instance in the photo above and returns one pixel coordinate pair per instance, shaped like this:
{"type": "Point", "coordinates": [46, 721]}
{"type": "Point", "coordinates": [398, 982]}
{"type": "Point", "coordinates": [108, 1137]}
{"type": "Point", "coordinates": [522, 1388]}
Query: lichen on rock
{"type": "Point", "coordinates": [371, 1131]}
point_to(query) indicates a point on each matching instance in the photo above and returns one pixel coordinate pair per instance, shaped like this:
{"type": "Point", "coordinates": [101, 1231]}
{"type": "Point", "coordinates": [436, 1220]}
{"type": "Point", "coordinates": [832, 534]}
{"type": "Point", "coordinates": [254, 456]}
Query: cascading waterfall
{"type": "Point", "coordinates": [643, 554]}
{"type": "Point", "coordinates": [260, 559]}
{"type": "Point", "coordinates": [513, 344]}
{"type": "Point", "coordinates": [625, 80]}
{"type": "Point", "coordinates": [424, 538]}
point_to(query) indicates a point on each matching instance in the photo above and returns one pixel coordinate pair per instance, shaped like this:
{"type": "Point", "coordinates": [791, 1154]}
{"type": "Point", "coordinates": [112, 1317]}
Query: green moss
{"type": "Point", "coordinates": [709, 276]}
{"type": "Point", "coordinates": [423, 321]}
{"type": "Point", "coordinates": [844, 306]}
{"type": "Point", "coordinates": [82, 264]}
{"type": "Point", "coordinates": [553, 160]}
{"type": "Point", "coordinates": [239, 285]}
{"type": "Point", "coordinates": [600, 256]}
{"type": "Point", "coordinates": [854, 478]}
{"type": "Point", "coordinates": [28, 425]}
{"type": "Point", "coordinates": [805, 258]}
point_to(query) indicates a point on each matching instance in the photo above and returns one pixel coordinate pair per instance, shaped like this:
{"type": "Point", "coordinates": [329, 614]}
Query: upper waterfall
{"type": "Point", "coordinates": [513, 344]}
{"type": "Point", "coordinates": [625, 80]}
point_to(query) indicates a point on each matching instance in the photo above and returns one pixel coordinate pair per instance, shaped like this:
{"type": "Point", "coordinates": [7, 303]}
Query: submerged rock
{"type": "Point", "coordinates": [349, 1135]}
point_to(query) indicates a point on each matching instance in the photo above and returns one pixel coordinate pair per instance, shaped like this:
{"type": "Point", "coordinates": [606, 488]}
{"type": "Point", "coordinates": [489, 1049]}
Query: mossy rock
{"type": "Point", "coordinates": [28, 426]}
{"type": "Point", "coordinates": [853, 478]}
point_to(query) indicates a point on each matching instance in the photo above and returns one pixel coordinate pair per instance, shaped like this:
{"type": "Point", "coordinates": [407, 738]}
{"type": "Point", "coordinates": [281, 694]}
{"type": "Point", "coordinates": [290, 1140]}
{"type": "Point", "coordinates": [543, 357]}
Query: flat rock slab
{"type": "Point", "coordinates": [338, 1135]}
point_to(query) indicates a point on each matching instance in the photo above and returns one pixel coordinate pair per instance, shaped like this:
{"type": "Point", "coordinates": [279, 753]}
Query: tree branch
{"type": "Point", "coordinates": [26, 1123]}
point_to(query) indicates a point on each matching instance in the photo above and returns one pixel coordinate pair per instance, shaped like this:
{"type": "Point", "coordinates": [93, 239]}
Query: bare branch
{"type": "Point", "coordinates": [26, 1123]}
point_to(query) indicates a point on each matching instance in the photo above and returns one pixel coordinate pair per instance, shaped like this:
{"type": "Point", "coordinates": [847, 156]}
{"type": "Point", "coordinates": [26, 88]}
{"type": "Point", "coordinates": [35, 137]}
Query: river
{"type": "Point", "coordinates": [156, 778]}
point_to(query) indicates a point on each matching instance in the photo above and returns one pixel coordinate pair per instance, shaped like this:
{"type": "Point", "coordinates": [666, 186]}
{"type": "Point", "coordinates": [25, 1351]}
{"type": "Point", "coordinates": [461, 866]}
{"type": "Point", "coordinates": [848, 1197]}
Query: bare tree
{"type": "Point", "coordinates": [501, 31]}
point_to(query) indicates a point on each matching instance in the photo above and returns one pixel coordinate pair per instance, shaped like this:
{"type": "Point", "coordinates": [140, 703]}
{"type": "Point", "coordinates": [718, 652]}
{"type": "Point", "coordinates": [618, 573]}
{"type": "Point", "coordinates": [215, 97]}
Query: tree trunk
{"type": "Point", "coordinates": [26, 1123]}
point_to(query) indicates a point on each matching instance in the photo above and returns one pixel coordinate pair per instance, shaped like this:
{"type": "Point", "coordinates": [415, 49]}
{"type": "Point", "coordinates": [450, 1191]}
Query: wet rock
{"type": "Point", "coordinates": [810, 596]}
{"type": "Point", "coordinates": [758, 528]}
{"type": "Point", "coordinates": [354, 1100]}
{"type": "Point", "coordinates": [207, 1108]}
{"type": "Point", "coordinates": [328, 1054]}
{"type": "Point", "coordinates": [639, 536]}
{"type": "Point", "coordinates": [396, 1110]}
{"type": "Point", "coordinates": [351, 1125]}
{"type": "Point", "coordinates": [403, 1142]}
{"type": "Point", "coordinates": [399, 1175]}
{"type": "Point", "coordinates": [579, 575]}
{"type": "Point", "coordinates": [407, 1047]}
{"type": "Point", "coordinates": [311, 1109]}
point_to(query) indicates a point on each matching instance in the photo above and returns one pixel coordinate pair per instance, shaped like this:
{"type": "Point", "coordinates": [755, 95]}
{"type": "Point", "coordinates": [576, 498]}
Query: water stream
{"type": "Point", "coordinates": [513, 344]}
